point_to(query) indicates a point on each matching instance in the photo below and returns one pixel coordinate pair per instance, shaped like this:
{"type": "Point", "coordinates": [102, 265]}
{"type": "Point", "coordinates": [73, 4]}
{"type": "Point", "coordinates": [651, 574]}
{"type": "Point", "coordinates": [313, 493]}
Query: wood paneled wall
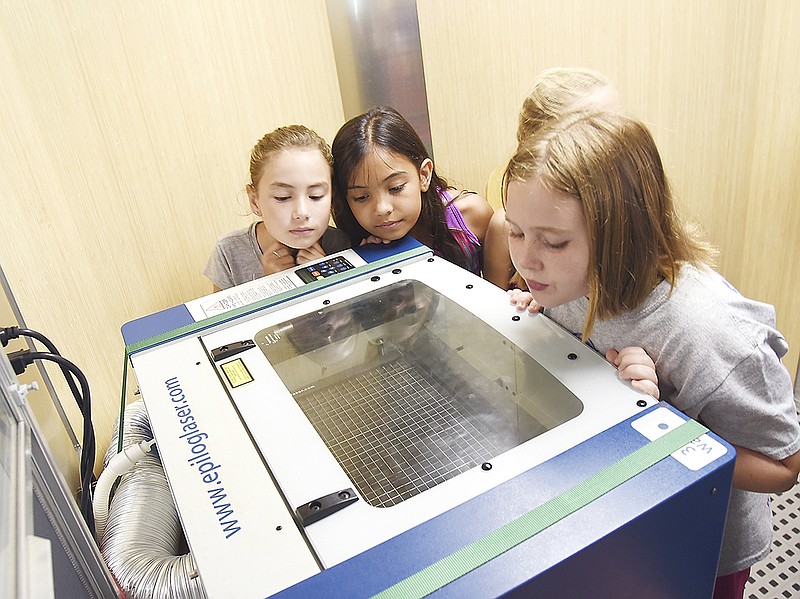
{"type": "Point", "coordinates": [127, 129]}
{"type": "Point", "coordinates": [126, 134]}
{"type": "Point", "coordinates": [717, 82]}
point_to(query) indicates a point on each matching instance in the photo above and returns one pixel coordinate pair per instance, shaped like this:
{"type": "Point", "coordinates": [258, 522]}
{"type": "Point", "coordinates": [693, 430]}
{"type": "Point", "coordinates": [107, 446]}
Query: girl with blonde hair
{"type": "Point", "coordinates": [595, 234]}
{"type": "Point", "coordinates": [290, 191]}
{"type": "Point", "coordinates": [555, 91]}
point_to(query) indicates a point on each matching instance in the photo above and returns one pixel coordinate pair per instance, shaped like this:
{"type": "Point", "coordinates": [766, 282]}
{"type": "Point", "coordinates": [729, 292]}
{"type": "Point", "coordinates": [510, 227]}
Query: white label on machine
{"type": "Point", "coordinates": [694, 455]}
{"type": "Point", "coordinates": [239, 296]}
{"type": "Point", "coordinates": [271, 285]}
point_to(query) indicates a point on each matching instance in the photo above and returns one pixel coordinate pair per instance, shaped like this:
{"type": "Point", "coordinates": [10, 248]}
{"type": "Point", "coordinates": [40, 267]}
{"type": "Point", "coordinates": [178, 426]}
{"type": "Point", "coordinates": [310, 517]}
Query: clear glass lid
{"type": "Point", "coordinates": [409, 389]}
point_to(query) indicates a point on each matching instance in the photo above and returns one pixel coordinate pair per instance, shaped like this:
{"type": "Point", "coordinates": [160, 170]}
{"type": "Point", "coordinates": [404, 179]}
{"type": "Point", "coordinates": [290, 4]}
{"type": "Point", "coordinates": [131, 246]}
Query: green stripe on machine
{"type": "Point", "coordinates": [497, 542]}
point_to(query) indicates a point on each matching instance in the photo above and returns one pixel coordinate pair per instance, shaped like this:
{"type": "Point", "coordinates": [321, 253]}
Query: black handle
{"type": "Point", "coordinates": [325, 506]}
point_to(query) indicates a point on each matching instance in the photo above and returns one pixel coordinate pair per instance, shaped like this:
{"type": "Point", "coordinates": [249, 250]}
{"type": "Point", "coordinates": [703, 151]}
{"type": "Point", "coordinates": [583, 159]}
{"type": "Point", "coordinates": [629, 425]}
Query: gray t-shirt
{"type": "Point", "coordinates": [717, 358]}
{"type": "Point", "coordinates": [236, 258]}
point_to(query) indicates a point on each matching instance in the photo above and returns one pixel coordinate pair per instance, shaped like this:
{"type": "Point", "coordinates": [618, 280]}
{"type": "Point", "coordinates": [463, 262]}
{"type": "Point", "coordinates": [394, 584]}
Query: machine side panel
{"type": "Point", "coordinates": [155, 324]}
{"type": "Point", "coordinates": [671, 550]}
{"type": "Point", "coordinates": [230, 510]}
{"type": "Point", "coordinates": [662, 525]}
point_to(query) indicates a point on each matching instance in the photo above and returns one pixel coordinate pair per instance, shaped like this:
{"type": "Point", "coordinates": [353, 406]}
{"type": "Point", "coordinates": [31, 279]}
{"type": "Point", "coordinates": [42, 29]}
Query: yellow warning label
{"type": "Point", "coordinates": [236, 372]}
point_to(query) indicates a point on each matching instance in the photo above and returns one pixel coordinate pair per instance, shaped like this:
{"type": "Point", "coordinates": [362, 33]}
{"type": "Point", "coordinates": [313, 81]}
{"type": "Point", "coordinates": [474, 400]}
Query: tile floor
{"type": "Point", "coordinates": [778, 576]}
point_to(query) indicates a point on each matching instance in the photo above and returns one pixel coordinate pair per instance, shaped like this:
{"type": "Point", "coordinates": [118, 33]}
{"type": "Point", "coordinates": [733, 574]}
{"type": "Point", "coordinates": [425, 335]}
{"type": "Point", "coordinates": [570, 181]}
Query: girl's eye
{"type": "Point", "coordinates": [316, 198]}
{"type": "Point", "coordinates": [397, 188]}
{"type": "Point", "coordinates": [556, 246]}
{"type": "Point", "coordinates": [515, 234]}
{"type": "Point", "coordinates": [282, 198]}
{"type": "Point", "coordinates": [358, 199]}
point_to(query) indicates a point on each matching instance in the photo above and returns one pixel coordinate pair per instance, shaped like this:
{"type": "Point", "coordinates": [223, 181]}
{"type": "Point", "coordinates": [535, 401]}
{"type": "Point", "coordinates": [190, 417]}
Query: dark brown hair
{"type": "Point", "coordinates": [385, 128]}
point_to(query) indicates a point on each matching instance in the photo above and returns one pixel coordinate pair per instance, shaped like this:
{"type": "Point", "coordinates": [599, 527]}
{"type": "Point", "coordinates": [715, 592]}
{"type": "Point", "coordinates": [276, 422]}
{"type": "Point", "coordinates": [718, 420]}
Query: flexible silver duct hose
{"type": "Point", "coordinates": [143, 536]}
{"type": "Point", "coordinates": [120, 464]}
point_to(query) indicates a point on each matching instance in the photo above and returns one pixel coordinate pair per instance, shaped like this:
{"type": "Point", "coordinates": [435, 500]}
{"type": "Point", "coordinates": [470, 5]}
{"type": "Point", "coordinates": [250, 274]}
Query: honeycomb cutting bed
{"type": "Point", "coordinates": [397, 431]}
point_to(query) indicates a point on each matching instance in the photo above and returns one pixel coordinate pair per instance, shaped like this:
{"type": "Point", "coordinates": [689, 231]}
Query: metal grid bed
{"type": "Point", "coordinates": [397, 431]}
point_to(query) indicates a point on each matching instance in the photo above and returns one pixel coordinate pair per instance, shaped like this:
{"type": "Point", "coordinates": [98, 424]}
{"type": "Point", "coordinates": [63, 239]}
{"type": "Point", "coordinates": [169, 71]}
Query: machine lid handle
{"type": "Point", "coordinates": [325, 506]}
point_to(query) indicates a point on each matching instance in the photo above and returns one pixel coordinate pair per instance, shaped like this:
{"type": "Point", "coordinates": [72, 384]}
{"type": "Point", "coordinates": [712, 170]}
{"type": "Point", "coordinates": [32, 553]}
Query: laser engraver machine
{"type": "Point", "coordinates": [383, 422]}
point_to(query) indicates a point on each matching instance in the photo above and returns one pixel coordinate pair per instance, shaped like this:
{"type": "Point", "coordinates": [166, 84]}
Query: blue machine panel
{"type": "Point", "coordinates": [656, 535]}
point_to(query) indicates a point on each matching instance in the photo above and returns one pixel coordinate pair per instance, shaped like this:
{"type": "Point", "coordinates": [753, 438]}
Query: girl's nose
{"type": "Point", "coordinates": [300, 209]}
{"type": "Point", "coordinates": [530, 258]}
{"type": "Point", "coordinates": [384, 205]}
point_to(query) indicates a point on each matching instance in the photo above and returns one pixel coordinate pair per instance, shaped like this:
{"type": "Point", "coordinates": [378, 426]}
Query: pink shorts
{"type": "Point", "coordinates": [731, 586]}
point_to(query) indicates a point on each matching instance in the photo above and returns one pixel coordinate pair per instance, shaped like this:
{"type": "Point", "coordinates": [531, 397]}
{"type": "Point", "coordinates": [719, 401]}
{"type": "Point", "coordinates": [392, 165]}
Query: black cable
{"type": "Point", "coordinates": [16, 332]}
{"type": "Point", "coordinates": [20, 360]}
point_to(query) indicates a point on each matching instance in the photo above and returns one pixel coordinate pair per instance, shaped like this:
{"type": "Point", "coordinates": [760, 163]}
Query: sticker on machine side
{"type": "Point", "coordinates": [236, 372]}
{"type": "Point", "coordinates": [695, 455]}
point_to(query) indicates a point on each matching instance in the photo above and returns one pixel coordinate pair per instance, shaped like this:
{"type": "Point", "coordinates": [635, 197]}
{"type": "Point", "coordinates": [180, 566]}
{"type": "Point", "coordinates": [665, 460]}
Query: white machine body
{"type": "Point", "coordinates": [244, 453]}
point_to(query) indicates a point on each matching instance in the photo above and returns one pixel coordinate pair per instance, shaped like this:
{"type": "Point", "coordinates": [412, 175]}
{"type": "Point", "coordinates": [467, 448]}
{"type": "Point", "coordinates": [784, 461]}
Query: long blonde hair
{"type": "Point", "coordinates": [609, 162]}
{"type": "Point", "coordinates": [555, 91]}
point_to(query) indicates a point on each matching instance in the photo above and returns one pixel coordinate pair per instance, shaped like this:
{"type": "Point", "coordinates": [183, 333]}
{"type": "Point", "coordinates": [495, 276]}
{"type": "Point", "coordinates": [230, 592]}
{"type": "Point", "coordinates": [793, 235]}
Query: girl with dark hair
{"type": "Point", "coordinates": [385, 187]}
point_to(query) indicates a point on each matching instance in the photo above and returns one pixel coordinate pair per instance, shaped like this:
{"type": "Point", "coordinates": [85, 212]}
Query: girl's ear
{"type": "Point", "coordinates": [252, 196]}
{"type": "Point", "coordinates": [425, 174]}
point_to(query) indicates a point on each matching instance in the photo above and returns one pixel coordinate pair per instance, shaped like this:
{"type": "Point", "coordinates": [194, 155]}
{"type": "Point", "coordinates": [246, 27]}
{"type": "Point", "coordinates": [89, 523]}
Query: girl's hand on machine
{"type": "Point", "coordinates": [374, 239]}
{"type": "Point", "coordinates": [523, 300]}
{"type": "Point", "coordinates": [636, 366]}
